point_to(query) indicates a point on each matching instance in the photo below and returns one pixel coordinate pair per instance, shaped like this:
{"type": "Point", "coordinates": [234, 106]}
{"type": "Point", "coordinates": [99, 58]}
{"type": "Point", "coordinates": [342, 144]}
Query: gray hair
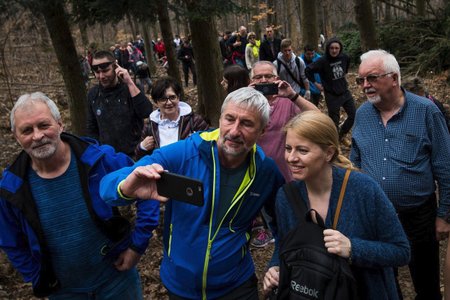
{"type": "Point", "coordinates": [248, 97]}
{"type": "Point", "coordinates": [26, 99]}
{"type": "Point", "coordinates": [390, 63]}
{"type": "Point", "coordinates": [264, 62]}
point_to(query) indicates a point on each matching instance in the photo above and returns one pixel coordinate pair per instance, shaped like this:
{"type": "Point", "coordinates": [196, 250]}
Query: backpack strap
{"type": "Point", "coordinates": [341, 198]}
{"type": "Point", "coordinates": [295, 200]}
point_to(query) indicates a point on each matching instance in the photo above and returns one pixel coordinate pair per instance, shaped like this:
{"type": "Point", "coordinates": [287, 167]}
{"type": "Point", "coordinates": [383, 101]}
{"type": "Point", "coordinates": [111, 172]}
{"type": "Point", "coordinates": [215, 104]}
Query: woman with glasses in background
{"type": "Point", "coordinates": [174, 119]}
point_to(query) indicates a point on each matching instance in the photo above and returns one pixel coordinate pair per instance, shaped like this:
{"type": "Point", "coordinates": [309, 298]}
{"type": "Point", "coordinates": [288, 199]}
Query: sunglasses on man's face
{"type": "Point", "coordinates": [102, 66]}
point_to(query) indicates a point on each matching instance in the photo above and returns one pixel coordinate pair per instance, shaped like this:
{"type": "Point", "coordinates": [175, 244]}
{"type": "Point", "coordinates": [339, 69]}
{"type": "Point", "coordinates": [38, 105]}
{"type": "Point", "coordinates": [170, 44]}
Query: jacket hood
{"type": "Point", "coordinates": [327, 47]}
{"type": "Point", "coordinates": [184, 108]}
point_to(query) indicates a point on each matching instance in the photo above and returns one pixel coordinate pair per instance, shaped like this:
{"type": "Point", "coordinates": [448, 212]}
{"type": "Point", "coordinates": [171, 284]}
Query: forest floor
{"type": "Point", "coordinates": [11, 283]}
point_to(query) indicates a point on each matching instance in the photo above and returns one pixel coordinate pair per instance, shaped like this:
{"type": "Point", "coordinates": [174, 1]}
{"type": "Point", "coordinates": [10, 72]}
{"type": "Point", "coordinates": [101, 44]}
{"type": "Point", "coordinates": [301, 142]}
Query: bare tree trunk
{"type": "Point", "coordinates": [309, 23]}
{"type": "Point", "coordinates": [59, 30]}
{"type": "Point", "coordinates": [326, 4]}
{"type": "Point", "coordinates": [420, 8]}
{"type": "Point", "coordinates": [166, 32]}
{"type": "Point", "coordinates": [293, 23]}
{"type": "Point", "coordinates": [272, 17]}
{"type": "Point", "coordinates": [130, 23]}
{"type": "Point", "coordinates": [364, 18]}
{"type": "Point", "coordinates": [83, 32]}
{"type": "Point", "coordinates": [209, 66]}
{"type": "Point", "coordinates": [102, 34]}
{"type": "Point", "coordinates": [148, 47]}
{"type": "Point", "coordinates": [387, 10]}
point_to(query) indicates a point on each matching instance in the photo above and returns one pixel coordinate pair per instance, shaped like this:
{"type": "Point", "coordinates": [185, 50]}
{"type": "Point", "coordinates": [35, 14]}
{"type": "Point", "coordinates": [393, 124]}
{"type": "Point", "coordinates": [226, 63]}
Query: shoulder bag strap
{"type": "Point", "coordinates": [290, 72]}
{"type": "Point", "coordinates": [341, 198]}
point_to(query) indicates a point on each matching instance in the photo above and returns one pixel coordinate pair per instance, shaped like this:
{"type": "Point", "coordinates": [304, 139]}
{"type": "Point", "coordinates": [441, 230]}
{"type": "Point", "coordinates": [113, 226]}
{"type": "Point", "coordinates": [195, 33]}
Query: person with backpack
{"type": "Point", "coordinates": [291, 68]}
{"type": "Point", "coordinates": [363, 232]}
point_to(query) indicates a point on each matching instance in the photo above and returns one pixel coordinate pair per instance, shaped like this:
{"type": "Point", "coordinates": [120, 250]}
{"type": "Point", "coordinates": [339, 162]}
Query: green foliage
{"type": "Point", "coordinates": [352, 44]}
{"type": "Point", "coordinates": [419, 45]}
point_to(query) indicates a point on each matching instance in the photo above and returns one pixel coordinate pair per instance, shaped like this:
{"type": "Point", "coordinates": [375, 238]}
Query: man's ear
{"type": "Point", "coordinates": [395, 77]}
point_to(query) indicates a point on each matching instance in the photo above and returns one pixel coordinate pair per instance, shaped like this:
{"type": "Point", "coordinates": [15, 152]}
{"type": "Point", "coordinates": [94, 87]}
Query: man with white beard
{"type": "Point", "coordinates": [402, 141]}
{"type": "Point", "coordinates": [55, 229]}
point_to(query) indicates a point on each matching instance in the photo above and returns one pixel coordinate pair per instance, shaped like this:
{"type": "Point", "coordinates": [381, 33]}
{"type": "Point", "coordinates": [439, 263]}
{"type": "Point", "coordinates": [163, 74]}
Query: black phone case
{"type": "Point", "coordinates": [267, 88]}
{"type": "Point", "coordinates": [180, 188]}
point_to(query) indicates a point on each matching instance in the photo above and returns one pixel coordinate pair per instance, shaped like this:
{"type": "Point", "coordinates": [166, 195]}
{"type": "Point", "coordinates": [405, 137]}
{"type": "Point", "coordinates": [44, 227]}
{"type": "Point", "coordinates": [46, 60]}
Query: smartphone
{"type": "Point", "coordinates": [267, 88]}
{"type": "Point", "coordinates": [180, 188]}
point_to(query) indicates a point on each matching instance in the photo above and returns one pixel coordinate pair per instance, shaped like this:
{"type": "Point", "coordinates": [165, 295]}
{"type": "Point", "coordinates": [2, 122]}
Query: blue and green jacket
{"type": "Point", "coordinates": [206, 257]}
{"type": "Point", "coordinates": [21, 234]}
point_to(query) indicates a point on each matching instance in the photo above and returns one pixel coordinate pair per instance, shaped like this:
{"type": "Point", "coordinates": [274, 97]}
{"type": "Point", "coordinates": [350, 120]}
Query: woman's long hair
{"type": "Point", "coordinates": [319, 129]}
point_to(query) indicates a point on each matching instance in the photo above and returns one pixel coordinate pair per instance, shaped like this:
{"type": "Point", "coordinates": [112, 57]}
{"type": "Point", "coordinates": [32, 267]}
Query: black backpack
{"type": "Point", "coordinates": [307, 270]}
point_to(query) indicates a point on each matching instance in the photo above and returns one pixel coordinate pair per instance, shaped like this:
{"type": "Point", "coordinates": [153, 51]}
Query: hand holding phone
{"type": "Point", "coordinates": [180, 188]}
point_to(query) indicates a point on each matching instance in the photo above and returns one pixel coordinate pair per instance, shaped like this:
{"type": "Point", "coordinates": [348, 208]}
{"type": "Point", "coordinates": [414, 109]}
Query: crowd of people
{"type": "Point", "coordinates": [60, 223]}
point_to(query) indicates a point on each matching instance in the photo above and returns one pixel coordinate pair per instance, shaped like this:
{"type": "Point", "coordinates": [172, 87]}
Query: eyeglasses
{"type": "Point", "coordinates": [370, 78]}
{"type": "Point", "coordinates": [267, 76]}
{"type": "Point", "coordinates": [102, 66]}
{"type": "Point", "coordinates": [165, 99]}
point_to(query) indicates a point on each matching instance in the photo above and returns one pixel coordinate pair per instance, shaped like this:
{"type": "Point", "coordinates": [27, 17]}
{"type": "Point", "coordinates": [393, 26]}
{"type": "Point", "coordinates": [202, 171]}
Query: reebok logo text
{"type": "Point", "coordinates": [303, 289]}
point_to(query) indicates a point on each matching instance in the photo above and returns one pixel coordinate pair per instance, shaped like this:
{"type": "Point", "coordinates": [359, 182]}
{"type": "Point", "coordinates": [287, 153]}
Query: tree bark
{"type": "Point", "coordinates": [294, 24]}
{"type": "Point", "coordinates": [364, 19]}
{"type": "Point", "coordinates": [326, 4]}
{"type": "Point", "coordinates": [420, 8]}
{"type": "Point", "coordinates": [167, 35]}
{"type": "Point", "coordinates": [63, 44]}
{"type": "Point", "coordinates": [309, 23]}
{"type": "Point", "coordinates": [209, 66]}
{"type": "Point", "coordinates": [83, 32]}
{"type": "Point", "coordinates": [148, 48]}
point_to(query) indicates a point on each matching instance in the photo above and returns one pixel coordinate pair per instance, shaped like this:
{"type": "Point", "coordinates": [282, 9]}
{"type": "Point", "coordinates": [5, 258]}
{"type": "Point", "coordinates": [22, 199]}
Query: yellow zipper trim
{"type": "Point", "coordinates": [208, 249]}
{"type": "Point", "coordinates": [170, 240]}
{"type": "Point", "coordinates": [239, 194]}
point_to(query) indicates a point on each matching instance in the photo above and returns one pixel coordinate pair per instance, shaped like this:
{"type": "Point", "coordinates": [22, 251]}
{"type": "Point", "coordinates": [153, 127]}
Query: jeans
{"type": "Point", "coordinates": [124, 286]}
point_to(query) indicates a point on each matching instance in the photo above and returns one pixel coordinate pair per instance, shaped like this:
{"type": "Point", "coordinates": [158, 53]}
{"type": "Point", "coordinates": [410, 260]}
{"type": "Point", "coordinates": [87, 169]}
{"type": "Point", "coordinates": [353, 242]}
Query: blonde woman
{"type": "Point", "coordinates": [368, 233]}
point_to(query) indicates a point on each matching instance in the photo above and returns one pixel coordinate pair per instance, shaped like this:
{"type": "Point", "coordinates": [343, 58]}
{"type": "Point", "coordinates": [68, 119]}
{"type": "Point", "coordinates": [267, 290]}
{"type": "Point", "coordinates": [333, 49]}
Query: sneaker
{"type": "Point", "coordinates": [262, 238]}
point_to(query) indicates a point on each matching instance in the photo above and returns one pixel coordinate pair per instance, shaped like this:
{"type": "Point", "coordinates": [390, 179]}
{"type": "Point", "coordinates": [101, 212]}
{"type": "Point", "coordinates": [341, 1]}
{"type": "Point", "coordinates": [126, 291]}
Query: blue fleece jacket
{"type": "Point", "coordinates": [206, 257]}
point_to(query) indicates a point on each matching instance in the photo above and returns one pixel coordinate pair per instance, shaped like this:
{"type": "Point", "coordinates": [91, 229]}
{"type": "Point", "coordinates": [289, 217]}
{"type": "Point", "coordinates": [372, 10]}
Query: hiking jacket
{"type": "Point", "coordinates": [188, 123]}
{"type": "Point", "coordinates": [21, 235]}
{"type": "Point", "coordinates": [115, 118]}
{"type": "Point", "coordinates": [332, 70]}
{"type": "Point", "coordinates": [204, 257]}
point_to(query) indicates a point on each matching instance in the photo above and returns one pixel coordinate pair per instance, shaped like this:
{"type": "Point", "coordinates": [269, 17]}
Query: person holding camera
{"type": "Point", "coordinates": [116, 106]}
{"type": "Point", "coordinates": [206, 253]}
{"type": "Point", "coordinates": [284, 103]}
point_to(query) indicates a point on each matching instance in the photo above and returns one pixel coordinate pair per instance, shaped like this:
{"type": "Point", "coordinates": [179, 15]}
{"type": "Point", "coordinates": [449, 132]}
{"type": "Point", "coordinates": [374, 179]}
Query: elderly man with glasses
{"type": "Point", "coordinates": [116, 106]}
{"type": "Point", "coordinates": [402, 141]}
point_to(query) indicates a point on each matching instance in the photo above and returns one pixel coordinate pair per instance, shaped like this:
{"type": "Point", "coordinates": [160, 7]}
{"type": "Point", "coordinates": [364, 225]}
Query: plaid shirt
{"type": "Point", "coordinates": [406, 156]}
